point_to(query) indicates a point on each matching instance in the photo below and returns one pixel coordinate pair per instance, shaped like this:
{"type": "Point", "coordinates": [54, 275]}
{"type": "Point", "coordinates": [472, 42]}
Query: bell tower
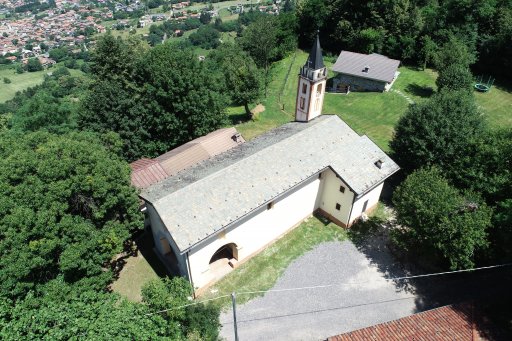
{"type": "Point", "coordinates": [311, 88]}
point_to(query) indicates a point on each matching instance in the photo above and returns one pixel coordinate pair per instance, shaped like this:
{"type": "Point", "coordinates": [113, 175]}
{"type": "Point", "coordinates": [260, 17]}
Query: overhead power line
{"type": "Point", "coordinates": [333, 285]}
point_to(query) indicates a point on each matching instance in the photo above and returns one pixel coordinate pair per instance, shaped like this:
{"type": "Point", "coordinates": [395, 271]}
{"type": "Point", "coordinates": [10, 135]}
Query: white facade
{"type": "Point", "coordinates": [264, 225]}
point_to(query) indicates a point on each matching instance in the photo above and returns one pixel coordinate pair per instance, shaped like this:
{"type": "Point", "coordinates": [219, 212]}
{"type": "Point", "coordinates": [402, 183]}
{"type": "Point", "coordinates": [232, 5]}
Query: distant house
{"type": "Point", "coordinates": [363, 72]}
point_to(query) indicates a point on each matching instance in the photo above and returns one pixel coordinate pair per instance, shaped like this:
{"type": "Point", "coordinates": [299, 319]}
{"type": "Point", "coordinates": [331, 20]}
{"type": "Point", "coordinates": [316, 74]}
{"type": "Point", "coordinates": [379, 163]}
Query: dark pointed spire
{"type": "Point", "coordinates": [315, 60]}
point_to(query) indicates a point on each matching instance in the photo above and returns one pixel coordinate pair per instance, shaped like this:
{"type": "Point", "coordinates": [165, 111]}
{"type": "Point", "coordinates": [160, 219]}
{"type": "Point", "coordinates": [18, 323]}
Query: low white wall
{"type": "Point", "coordinates": [373, 199]}
{"type": "Point", "coordinates": [258, 230]}
{"type": "Point", "coordinates": [160, 231]}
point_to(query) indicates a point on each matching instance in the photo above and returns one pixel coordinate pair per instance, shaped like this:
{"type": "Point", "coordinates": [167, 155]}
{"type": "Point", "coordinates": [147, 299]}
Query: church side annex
{"type": "Point", "coordinates": [217, 214]}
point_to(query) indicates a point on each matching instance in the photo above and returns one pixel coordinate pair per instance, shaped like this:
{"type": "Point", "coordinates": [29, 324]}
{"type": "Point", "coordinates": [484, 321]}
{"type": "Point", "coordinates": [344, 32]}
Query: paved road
{"type": "Point", "coordinates": [315, 314]}
{"type": "Point", "coordinates": [318, 313]}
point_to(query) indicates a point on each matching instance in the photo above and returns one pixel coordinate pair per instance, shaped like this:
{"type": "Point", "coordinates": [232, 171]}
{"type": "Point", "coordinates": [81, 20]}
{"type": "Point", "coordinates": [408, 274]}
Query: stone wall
{"type": "Point", "coordinates": [357, 83]}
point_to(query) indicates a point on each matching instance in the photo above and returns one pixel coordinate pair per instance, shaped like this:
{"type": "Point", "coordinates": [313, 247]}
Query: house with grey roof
{"type": "Point", "coordinates": [211, 217]}
{"type": "Point", "coordinates": [364, 72]}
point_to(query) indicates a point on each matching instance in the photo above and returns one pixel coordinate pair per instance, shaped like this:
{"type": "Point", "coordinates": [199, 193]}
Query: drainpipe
{"type": "Point", "coordinates": [190, 276]}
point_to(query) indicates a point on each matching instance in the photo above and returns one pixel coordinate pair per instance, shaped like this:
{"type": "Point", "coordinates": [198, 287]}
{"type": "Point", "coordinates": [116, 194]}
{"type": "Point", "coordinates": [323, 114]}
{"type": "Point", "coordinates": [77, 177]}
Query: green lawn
{"type": "Point", "coordinates": [263, 270]}
{"type": "Point", "coordinates": [371, 113]}
{"type": "Point", "coordinates": [20, 82]}
{"type": "Point", "coordinates": [138, 270]}
{"type": "Point", "coordinates": [497, 105]}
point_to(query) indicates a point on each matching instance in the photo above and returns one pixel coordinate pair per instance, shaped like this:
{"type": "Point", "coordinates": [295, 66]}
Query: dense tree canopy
{"type": "Point", "coordinates": [155, 100]}
{"type": "Point", "coordinates": [66, 208]}
{"type": "Point", "coordinates": [62, 312]}
{"type": "Point", "coordinates": [438, 131]}
{"type": "Point", "coordinates": [410, 30]}
{"type": "Point", "coordinates": [438, 222]}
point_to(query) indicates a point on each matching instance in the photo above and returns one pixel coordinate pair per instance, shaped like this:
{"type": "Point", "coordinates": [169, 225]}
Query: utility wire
{"type": "Point", "coordinates": [366, 282]}
{"type": "Point", "coordinates": [334, 285]}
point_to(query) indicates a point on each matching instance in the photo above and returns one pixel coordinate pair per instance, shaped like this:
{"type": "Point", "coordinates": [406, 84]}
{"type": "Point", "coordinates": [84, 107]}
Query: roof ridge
{"type": "Point", "coordinates": [209, 176]}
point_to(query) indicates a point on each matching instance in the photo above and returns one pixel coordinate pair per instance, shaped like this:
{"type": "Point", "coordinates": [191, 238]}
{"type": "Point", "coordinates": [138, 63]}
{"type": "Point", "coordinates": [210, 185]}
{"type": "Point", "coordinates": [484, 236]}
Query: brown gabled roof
{"type": "Point", "coordinates": [199, 149]}
{"type": "Point", "coordinates": [380, 67]}
{"type": "Point", "coordinates": [146, 172]}
{"type": "Point", "coordinates": [453, 322]}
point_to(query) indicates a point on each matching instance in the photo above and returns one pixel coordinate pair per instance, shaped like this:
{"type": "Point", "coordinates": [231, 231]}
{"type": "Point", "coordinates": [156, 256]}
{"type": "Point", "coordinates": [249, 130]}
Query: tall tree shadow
{"type": "Point", "coordinates": [419, 90]}
{"type": "Point", "coordinates": [484, 289]}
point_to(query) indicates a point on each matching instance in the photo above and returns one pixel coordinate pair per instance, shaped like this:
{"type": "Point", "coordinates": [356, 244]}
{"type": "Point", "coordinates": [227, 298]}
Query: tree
{"type": "Point", "coordinates": [243, 79]}
{"type": "Point", "coordinates": [455, 77]}
{"type": "Point", "coordinates": [438, 222]}
{"type": "Point", "coordinates": [439, 131]}
{"type": "Point", "coordinates": [58, 54]}
{"type": "Point", "coordinates": [206, 37]}
{"type": "Point", "coordinates": [205, 18]}
{"type": "Point", "coordinates": [199, 319]}
{"type": "Point", "coordinates": [259, 39]}
{"type": "Point", "coordinates": [165, 98]}
{"type": "Point", "coordinates": [454, 52]}
{"type": "Point", "coordinates": [428, 51]}
{"type": "Point", "coordinates": [45, 112]}
{"type": "Point", "coordinates": [66, 208]}
{"type": "Point", "coordinates": [33, 65]}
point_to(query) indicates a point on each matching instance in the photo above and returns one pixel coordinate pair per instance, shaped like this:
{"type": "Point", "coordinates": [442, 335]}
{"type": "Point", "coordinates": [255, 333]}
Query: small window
{"type": "Point", "coordinates": [342, 189]}
{"type": "Point", "coordinates": [270, 205]}
{"type": "Point", "coordinates": [338, 206]}
{"type": "Point", "coordinates": [302, 102]}
{"type": "Point", "coordinates": [304, 88]}
{"type": "Point", "coordinates": [319, 89]}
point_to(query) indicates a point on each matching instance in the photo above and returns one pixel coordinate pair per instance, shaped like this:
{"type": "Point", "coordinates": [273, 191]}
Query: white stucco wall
{"type": "Point", "coordinates": [160, 231]}
{"type": "Point", "coordinates": [373, 199]}
{"type": "Point", "coordinates": [331, 195]}
{"type": "Point", "coordinates": [257, 231]}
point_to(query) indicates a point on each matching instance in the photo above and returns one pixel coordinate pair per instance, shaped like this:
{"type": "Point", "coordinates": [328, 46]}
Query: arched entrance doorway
{"type": "Point", "coordinates": [227, 251]}
{"type": "Point", "coordinates": [223, 260]}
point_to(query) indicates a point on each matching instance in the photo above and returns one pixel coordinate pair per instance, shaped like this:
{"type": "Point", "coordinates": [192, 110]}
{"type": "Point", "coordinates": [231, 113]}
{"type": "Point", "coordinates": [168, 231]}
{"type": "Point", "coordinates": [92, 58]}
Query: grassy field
{"type": "Point", "coordinates": [138, 270]}
{"type": "Point", "coordinates": [20, 82]}
{"type": "Point", "coordinates": [263, 270]}
{"type": "Point", "coordinates": [497, 105]}
{"type": "Point", "coordinates": [373, 114]}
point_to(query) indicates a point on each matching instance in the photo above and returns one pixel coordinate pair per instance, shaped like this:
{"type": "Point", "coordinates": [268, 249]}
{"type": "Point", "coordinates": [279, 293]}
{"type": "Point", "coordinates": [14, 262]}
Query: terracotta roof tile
{"type": "Point", "coordinates": [454, 322]}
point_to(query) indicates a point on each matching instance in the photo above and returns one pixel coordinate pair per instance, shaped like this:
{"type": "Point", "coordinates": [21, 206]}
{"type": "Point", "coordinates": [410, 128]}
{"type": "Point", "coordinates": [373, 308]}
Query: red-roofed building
{"type": "Point", "coordinates": [449, 323]}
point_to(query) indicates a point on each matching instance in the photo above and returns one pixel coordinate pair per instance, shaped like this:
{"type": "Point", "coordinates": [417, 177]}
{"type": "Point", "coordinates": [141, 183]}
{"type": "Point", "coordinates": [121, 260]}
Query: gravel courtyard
{"type": "Point", "coordinates": [317, 313]}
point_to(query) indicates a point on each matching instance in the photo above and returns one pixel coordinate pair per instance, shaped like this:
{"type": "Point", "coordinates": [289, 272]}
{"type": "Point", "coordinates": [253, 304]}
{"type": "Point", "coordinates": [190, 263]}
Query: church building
{"type": "Point", "coordinates": [213, 216]}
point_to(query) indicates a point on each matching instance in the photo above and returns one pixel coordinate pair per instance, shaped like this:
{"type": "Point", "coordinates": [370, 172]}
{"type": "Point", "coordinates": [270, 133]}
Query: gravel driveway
{"type": "Point", "coordinates": [315, 314]}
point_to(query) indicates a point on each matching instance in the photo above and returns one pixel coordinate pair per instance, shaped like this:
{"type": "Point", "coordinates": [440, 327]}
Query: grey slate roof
{"type": "Point", "coordinates": [381, 68]}
{"type": "Point", "coordinates": [315, 60]}
{"type": "Point", "coordinates": [197, 202]}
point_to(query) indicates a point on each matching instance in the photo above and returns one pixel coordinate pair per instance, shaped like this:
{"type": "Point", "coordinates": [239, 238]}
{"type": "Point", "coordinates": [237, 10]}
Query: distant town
{"type": "Point", "coordinates": [30, 29]}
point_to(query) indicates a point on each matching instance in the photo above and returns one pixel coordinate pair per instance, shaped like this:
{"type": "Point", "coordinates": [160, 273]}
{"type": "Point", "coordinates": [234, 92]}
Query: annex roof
{"type": "Point", "coordinates": [213, 194]}
{"type": "Point", "coordinates": [378, 67]}
{"type": "Point", "coordinates": [146, 172]}
{"type": "Point", "coordinates": [199, 149]}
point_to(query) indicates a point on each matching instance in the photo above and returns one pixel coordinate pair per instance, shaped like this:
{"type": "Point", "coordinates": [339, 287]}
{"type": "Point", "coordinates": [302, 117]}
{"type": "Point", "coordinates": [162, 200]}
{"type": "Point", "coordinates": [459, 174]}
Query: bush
{"type": "Point", "coordinates": [7, 80]}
